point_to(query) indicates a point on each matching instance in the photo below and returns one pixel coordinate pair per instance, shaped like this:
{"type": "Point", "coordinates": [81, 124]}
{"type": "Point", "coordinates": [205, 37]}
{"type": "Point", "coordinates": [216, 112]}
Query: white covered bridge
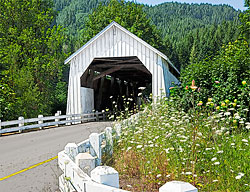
{"type": "Point", "coordinates": [114, 63]}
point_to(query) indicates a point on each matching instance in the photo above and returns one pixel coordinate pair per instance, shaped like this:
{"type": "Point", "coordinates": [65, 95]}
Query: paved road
{"type": "Point", "coordinates": [21, 151]}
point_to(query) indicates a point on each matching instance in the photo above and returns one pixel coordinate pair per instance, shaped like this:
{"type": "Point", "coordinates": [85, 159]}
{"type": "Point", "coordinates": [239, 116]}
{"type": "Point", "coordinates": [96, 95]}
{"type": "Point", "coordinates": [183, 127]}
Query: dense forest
{"type": "Point", "coordinates": [36, 37]}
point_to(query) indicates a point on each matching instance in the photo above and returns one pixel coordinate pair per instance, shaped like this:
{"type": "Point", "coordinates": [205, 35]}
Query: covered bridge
{"type": "Point", "coordinates": [114, 63]}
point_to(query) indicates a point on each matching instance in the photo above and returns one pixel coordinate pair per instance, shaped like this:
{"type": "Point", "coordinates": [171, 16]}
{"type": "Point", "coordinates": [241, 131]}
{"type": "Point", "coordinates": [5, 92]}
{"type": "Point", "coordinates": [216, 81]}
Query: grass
{"type": "Point", "coordinates": [203, 146]}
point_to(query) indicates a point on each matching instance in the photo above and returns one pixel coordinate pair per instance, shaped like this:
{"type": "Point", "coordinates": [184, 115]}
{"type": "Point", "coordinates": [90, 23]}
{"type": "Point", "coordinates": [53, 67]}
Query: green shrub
{"type": "Point", "coordinates": [225, 77]}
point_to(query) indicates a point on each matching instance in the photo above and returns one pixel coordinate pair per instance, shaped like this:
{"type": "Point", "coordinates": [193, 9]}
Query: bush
{"type": "Point", "coordinates": [225, 77]}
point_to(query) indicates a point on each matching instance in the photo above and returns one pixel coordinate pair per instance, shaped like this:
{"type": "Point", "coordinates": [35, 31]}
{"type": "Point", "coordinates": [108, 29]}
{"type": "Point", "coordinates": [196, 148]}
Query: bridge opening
{"type": "Point", "coordinates": [116, 80]}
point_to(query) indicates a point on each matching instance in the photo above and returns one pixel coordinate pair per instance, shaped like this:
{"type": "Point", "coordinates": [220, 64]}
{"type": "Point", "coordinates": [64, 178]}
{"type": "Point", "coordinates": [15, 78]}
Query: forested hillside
{"type": "Point", "coordinates": [194, 31]}
{"type": "Point", "coordinates": [72, 13]}
{"type": "Point", "coordinates": [191, 31]}
{"type": "Point", "coordinates": [169, 17]}
{"type": "Point", "coordinates": [181, 17]}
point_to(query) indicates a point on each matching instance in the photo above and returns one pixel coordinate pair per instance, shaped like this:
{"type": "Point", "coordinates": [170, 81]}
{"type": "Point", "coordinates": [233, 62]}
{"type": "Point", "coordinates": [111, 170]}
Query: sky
{"type": "Point", "coordinates": [237, 4]}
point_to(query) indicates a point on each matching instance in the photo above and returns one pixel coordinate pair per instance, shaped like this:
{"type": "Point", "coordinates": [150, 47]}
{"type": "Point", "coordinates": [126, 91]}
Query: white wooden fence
{"type": "Point", "coordinates": [81, 162]}
{"type": "Point", "coordinates": [41, 122]}
{"type": "Point", "coordinates": [81, 168]}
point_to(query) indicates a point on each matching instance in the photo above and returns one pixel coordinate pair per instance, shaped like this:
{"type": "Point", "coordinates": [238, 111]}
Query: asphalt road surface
{"type": "Point", "coordinates": [21, 151]}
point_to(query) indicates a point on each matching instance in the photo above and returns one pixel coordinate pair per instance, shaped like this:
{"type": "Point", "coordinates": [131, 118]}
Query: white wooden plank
{"type": "Point", "coordinates": [127, 45]}
{"type": "Point", "coordinates": [139, 51]}
{"type": "Point", "coordinates": [119, 39]}
{"type": "Point", "coordinates": [151, 62]}
{"type": "Point", "coordinates": [135, 42]}
{"type": "Point", "coordinates": [115, 42]}
{"type": "Point", "coordinates": [131, 46]}
{"type": "Point", "coordinates": [111, 43]}
{"type": "Point", "coordinates": [148, 59]}
{"type": "Point", "coordinates": [94, 48]}
{"type": "Point", "coordinates": [82, 117]}
{"type": "Point", "coordinates": [123, 46]}
{"type": "Point", "coordinates": [102, 54]}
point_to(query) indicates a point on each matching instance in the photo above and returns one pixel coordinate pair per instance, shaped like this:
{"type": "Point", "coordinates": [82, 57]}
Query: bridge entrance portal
{"type": "Point", "coordinates": [113, 80]}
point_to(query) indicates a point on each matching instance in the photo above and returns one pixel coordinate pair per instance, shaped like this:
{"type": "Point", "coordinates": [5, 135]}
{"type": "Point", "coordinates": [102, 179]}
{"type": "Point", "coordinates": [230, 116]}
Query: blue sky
{"type": "Point", "coordinates": [237, 4]}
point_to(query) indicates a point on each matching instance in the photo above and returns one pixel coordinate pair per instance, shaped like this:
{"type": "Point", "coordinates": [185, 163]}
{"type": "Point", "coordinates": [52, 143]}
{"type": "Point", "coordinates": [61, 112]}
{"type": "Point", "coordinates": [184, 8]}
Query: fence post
{"type": "Point", "coordinates": [86, 162]}
{"type": "Point", "coordinates": [21, 124]}
{"type": "Point", "coordinates": [109, 140]}
{"type": "Point", "coordinates": [179, 186]}
{"type": "Point", "coordinates": [118, 128]}
{"type": "Point", "coordinates": [69, 119]}
{"type": "Point", "coordinates": [0, 126]}
{"type": "Point", "coordinates": [71, 149]}
{"type": "Point", "coordinates": [40, 121]}
{"type": "Point", "coordinates": [104, 116]}
{"type": "Point", "coordinates": [95, 149]}
{"type": "Point", "coordinates": [97, 116]}
{"type": "Point", "coordinates": [56, 120]}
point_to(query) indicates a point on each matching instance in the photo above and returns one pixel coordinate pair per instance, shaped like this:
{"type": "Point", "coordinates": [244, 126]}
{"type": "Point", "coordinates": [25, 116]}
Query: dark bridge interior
{"type": "Point", "coordinates": [116, 77]}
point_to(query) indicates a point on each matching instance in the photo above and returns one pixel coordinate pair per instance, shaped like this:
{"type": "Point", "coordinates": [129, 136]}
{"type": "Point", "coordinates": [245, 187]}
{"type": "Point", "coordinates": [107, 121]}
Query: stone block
{"type": "Point", "coordinates": [95, 147]}
{"type": "Point", "coordinates": [105, 175]}
{"type": "Point", "coordinates": [86, 162]}
{"type": "Point", "coordinates": [178, 186]}
{"type": "Point", "coordinates": [71, 149]}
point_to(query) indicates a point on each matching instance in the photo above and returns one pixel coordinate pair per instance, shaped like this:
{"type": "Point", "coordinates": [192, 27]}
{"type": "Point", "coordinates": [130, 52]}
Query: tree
{"type": "Point", "coordinates": [32, 53]}
{"type": "Point", "coordinates": [247, 3]}
{"type": "Point", "coordinates": [245, 22]}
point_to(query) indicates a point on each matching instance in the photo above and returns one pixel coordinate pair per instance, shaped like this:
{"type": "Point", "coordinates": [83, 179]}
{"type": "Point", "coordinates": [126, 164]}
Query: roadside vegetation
{"type": "Point", "coordinates": [207, 145]}
{"type": "Point", "coordinates": [200, 134]}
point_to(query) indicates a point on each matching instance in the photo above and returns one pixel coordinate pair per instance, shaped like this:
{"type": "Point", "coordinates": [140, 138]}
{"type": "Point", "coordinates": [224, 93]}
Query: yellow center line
{"type": "Point", "coordinates": [26, 169]}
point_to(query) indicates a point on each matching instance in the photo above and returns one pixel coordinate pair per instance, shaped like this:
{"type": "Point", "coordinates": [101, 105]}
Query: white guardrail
{"type": "Point", "coordinates": [41, 122]}
{"type": "Point", "coordinates": [82, 170]}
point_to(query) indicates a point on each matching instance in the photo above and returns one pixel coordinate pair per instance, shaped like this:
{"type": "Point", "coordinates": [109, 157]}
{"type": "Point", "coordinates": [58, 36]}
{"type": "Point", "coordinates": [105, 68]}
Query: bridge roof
{"type": "Point", "coordinates": [128, 33]}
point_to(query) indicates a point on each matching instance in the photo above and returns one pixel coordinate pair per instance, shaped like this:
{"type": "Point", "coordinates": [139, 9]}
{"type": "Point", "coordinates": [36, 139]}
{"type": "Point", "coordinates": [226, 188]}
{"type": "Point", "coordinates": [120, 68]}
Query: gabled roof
{"type": "Point", "coordinates": [127, 32]}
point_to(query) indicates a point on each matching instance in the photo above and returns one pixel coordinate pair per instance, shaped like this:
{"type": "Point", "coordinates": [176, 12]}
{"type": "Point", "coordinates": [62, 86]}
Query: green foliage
{"type": "Point", "coordinates": [204, 42]}
{"type": "Point", "coordinates": [245, 24]}
{"type": "Point", "coordinates": [129, 15]}
{"type": "Point", "coordinates": [221, 77]}
{"type": "Point", "coordinates": [32, 53]}
{"type": "Point", "coordinates": [194, 31]}
{"type": "Point", "coordinates": [200, 146]}
{"type": "Point", "coordinates": [60, 97]}
{"type": "Point", "coordinates": [6, 99]}
{"type": "Point", "coordinates": [171, 17]}
{"type": "Point", "coordinates": [247, 3]}
{"type": "Point", "coordinates": [73, 13]}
